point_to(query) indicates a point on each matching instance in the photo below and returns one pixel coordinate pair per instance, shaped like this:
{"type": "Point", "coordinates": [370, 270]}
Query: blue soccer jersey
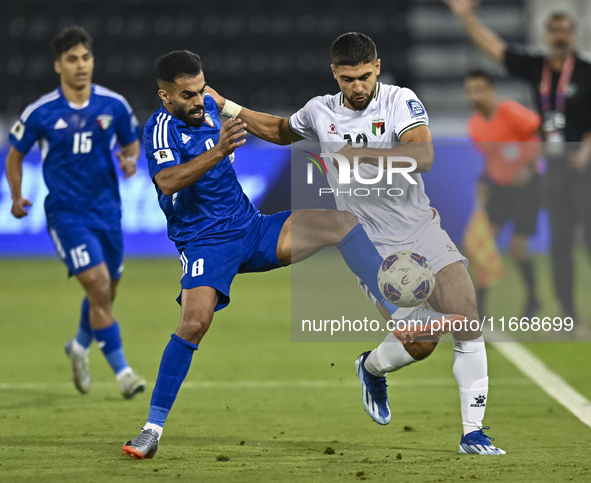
{"type": "Point", "coordinates": [212, 210]}
{"type": "Point", "coordinates": [76, 144]}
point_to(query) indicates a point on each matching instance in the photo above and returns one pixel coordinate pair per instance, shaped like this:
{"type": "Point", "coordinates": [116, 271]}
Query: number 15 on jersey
{"type": "Point", "coordinates": [82, 142]}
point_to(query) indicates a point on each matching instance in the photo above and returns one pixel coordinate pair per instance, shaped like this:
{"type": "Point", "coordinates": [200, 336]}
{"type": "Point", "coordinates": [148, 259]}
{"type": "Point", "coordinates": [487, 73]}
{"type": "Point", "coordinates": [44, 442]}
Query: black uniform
{"type": "Point", "coordinates": [568, 191]}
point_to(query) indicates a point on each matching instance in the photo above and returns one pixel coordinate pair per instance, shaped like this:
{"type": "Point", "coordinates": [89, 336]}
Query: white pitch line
{"type": "Point", "coordinates": [353, 382]}
{"type": "Point", "coordinates": [550, 382]}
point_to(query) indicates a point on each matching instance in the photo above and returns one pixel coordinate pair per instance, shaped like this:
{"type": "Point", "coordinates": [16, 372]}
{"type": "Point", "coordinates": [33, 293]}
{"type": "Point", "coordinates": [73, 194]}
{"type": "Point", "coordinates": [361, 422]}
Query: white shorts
{"type": "Point", "coordinates": [432, 242]}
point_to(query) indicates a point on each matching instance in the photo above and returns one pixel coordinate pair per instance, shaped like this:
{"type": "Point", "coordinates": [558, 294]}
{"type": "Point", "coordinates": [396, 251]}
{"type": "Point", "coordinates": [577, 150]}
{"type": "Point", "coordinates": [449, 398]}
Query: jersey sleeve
{"type": "Point", "coordinates": [161, 145]}
{"type": "Point", "coordinates": [126, 124]}
{"type": "Point", "coordinates": [302, 122]}
{"type": "Point", "coordinates": [25, 132]}
{"type": "Point", "coordinates": [408, 112]}
{"type": "Point", "coordinates": [525, 63]}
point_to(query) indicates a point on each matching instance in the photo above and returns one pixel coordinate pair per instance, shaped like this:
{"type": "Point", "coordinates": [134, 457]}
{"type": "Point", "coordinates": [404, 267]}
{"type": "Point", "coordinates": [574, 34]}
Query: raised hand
{"type": "Point", "coordinates": [230, 133]}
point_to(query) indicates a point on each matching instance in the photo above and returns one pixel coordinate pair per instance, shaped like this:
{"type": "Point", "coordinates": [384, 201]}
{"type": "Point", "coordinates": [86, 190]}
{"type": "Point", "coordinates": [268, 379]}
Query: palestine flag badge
{"type": "Point", "coordinates": [378, 127]}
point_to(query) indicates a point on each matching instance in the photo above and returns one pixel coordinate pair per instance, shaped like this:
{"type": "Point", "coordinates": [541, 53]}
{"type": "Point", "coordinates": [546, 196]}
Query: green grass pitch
{"type": "Point", "coordinates": [257, 407]}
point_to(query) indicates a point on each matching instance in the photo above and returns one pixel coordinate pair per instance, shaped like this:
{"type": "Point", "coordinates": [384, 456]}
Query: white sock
{"type": "Point", "coordinates": [79, 349]}
{"type": "Point", "coordinates": [389, 356]}
{"type": "Point", "coordinates": [155, 427]}
{"type": "Point", "coordinates": [123, 372]}
{"type": "Point", "coordinates": [470, 371]}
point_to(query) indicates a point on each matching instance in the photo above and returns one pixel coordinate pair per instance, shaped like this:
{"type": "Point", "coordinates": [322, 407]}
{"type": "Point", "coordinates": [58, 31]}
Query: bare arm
{"type": "Point", "coordinates": [270, 128]}
{"type": "Point", "coordinates": [128, 157]}
{"type": "Point", "coordinates": [14, 174]}
{"type": "Point", "coordinates": [416, 144]}
{"type": "Point", "coordinates": [177, 178]}
{"type": "Point", "coordinates": [265, 126]}
{"type": "Point", "coordinates": [484, 38]}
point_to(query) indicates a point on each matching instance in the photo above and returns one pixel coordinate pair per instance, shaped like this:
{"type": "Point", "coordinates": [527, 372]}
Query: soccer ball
{"type": "Point", "coordinates": [406, 279]}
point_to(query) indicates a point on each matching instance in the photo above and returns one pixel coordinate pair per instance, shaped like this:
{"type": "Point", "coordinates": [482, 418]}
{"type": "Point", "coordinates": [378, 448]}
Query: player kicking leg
{"type": "Point", "coordinates": [95, 258]}
{"type": "Point", "coordinates": [453, 292]}
{"type": "Point", "coordinates": [287, 238]}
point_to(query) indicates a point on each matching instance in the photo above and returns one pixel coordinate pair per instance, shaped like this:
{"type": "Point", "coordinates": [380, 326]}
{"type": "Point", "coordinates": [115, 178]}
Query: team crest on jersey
{"type": "Point", "coordinates": [332, 129]}
{"type": "Point", "coordinates": [378, 127]}
{"type": "Point", "coordinates": [416, 108]}
{"type": "Point", "coordinates": [208, 120]}
{"type": "Point", "coordinates": [104, 121]}
{"type": "Point", "coordinates": [18, 130]}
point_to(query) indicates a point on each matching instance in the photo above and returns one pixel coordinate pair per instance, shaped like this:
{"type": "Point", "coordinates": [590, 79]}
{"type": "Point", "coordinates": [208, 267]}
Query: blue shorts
{"type": "Point", "coordinates": [215, 265]}
{"type": "Point", "coordinates": [81, 248]}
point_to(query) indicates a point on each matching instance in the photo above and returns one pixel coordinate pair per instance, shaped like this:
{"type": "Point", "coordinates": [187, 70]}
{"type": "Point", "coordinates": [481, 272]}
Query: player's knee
{"type": "Point", "coordinates": [193, 327]}
{"type": "Point", "coordinates": [100, 293]}
{"type": "Point", "coordinates": [420, 350]}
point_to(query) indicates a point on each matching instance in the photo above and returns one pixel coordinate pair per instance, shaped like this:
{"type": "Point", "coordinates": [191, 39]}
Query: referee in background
{"type": "Point", "coordinates": [561, 80]}
{"type": "Point", "coordinates": [505, 132]}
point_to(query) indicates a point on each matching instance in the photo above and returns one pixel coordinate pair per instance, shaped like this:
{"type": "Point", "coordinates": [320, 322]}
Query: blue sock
{"type": "Point", "coordinates": [363, 259]}
{"type": "Point", "coordinates": [109, 340]}
{"type": "Point", "coordinates": [84, 335]}
{"type": "Point", "coordinates": [174, 367]}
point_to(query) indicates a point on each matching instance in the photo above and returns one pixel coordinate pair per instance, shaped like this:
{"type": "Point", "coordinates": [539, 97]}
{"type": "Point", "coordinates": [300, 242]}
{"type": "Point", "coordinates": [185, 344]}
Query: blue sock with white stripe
{"type": "Point", "coordinates": [109, 340]}
{"type": "Point", "coordinates": [84, 334]}
{"type": "Point", "coordinates": [174, 367]}
{"type": "Point", "coordinates": [363, 259]}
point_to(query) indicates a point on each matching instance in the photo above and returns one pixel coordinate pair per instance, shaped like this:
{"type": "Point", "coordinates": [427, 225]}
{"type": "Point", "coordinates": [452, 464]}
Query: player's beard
{"type": "Point", "coordinates": [359, 106]}
{"type": "Point", "coordinates": [185, 116]}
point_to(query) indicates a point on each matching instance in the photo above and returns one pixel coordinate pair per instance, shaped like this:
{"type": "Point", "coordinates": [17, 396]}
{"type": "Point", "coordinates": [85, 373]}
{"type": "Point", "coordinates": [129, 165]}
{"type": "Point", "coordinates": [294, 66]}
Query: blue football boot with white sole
{"type": "Point", "coordinates": [374, 393]}
{"type": "Point", "coordinates": [477, 442]}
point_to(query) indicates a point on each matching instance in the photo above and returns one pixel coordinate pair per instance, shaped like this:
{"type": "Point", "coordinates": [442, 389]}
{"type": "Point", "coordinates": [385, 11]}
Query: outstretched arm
{"type": "Point", "coordinates": [14, 174]}
{"type": "Point", "coordinates": [273, 129]}
{"type": "Point", "coordinates": [484, 38]}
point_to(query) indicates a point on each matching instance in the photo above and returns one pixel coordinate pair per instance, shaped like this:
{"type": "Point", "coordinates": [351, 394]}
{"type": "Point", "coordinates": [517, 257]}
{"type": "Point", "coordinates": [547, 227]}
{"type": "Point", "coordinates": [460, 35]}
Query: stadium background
{"type": "Point", "coordinates": [273, 56]}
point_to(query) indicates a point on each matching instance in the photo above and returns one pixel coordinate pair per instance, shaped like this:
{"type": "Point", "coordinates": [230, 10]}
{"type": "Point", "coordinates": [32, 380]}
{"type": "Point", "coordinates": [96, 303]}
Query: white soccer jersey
{"type": "Point", "coordinates": [394, 110]}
